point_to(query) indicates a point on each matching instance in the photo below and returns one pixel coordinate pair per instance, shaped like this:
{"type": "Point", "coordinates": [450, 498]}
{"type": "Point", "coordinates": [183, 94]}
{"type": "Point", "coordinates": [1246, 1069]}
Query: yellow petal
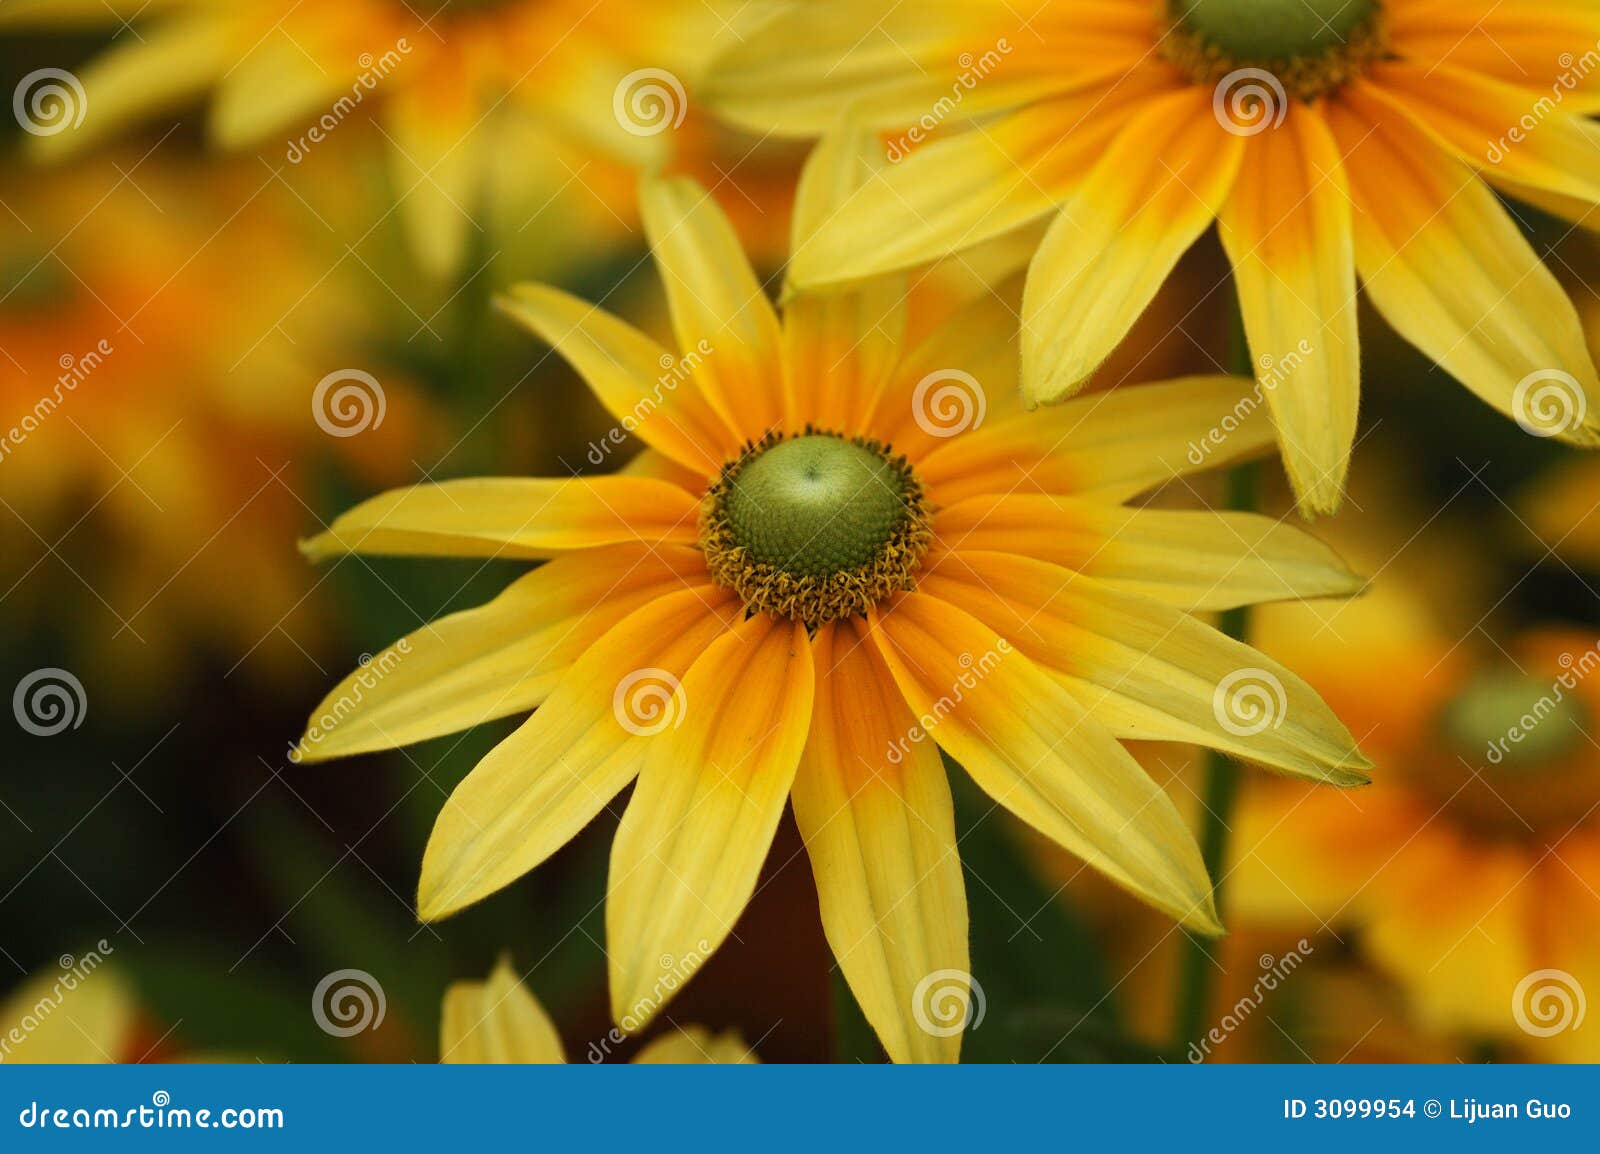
{"type": "Point", "coordinates": [1447, 267]}
{"type": "Point", "coordinates": [934, 61]}
{"type": "Point", "coordinates": [1199, 560]}
{"type": "Point", "coordinates": [159, 69]}
{"type": "Point", "coordinates": [272, 86]}
{"type": "Point", "coordinates": [495, 660]}
{"type": "Point", "coordinates": [874, 809]}
{"type": "Point", "coordinates": [703, 813]}
{"type": "Point", "coordinates": [1034, 749]}
{"type": "Point", "coordinates": [1148, 672]}
{"type": "Point", "coordinates": [436, 146]}
{"type": "Point", "coordinates": [1112, 445]}
{"type": "Point", "coordinates": [1287, 231]}
{"type": "Point", "coordinates": [968, 188]}
{"type": "Point", "coordinates": [1481, 121]}
{"type": "Point", "coordinates": [839, 347]}
{"type": "Point", "coordinates": [497, 1022]}
{"type": "Point", "coordinates": [719, 307]}
{"type": "Point", "coordinates": [1544, 48]}
{"type": "Point", "coordinates": [511, 517]}
{"type": "Point", "coordinates": [651, 392]}
{"type": "Point", "coordinates": [696, 1046]}
{"type": "Point", "coordinates": [545, 782]}
{"type": "Point", "coordinates": [72, 1016]}
{"type": "Point", "coordinates": [1155, 190]}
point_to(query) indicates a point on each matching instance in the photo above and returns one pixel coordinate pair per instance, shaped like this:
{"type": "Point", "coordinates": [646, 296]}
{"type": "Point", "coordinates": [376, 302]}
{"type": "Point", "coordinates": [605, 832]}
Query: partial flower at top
{"type": "Point", "coordinates": [600, 79]}
{"type": "Point", "coordinates": [840, 554]}
{"type": "Point", "coordinates": [1328, 139]}
{"type": "Point", "coordinates": [499, 1022]}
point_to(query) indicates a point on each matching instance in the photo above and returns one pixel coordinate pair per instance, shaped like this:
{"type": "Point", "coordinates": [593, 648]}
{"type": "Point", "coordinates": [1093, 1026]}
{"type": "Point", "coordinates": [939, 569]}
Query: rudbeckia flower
{"type": "Point", "coordinates": [499, 1022]}
{"type": "Point", "coordinates": [838, 556]}
{"type": "Point", "coordinates": [1329, 139]}
{"type": "Point", "coordinates": [599, 80]}
{"type": "Point", "coordinates": [1471, 875]}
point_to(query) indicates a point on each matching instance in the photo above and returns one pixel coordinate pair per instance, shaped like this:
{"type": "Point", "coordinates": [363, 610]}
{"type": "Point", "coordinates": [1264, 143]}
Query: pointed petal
{"type": "Point", "coordinates": [1149, 672]}
{"type": "Point", "coordinates": [839, 347]}
{"type": "Point", "coordinates": [702, 816]}
{"type": "Point", "coordinates": [696, 1046]}
{"type": "Point", "coordinates": [511, 517]}
{"type": "Point", "coordinates": [970, 187]}
{"type": "Point", "coordinates": [540, 786]}
{"type": "Point", "coordinates": [1033, 748]}
{"type": "Point", "coordinates": [877, 819]}
{"type": "Point", "coordinates": [91, 1024]}
{"type": "Point", "coordinates": [1195, 560]}
{"type": "Point", "coordinates": [436, 157]}
{"type": "Point", "coordinates": [1447, 267]}
{"type": "Point", "coordinates": [1481, 122]}
{"type": "Point", "coordinates": [1547, 49]}
{"type": "Point", "coordinates": [1156, 189]}
{"type": "Point", "coordinates": [650, 392]}
{"type": "Point", "coordinates": [1287, 231]}
{"type": "Point", "coordinates": [497, 1022]}
{"type": "Point", "coordinates": [719, 308]}
{"type": "Point", "coordinates": [1111, 445]}
{"type": "Point", "coordinates": [160, 69]}
{"type": "Point", "coordinates": [933, 61]}
{"type": "Point", "coordinates": [498, 659]}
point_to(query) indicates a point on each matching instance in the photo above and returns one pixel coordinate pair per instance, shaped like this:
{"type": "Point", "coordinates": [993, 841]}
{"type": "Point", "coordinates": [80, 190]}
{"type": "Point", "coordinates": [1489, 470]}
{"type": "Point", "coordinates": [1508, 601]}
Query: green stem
{"type": "Point", "coordinates": [1198, 967]}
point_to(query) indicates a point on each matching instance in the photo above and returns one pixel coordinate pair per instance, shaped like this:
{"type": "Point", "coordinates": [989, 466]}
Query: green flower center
{"type": "Point", "coordinates": [1515, 722]}
{"type": "Point", "coordinates": [1275, 29]}
{"type": "Point", "coordinates": [1311, 47]}
{"type": "Point", "coordinates": [815, 527]}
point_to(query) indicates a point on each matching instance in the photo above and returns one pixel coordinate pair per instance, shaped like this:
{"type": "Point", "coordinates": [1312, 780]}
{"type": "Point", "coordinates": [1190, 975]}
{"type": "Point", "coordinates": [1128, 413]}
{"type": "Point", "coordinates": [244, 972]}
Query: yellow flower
{"type": "Point", "coordinates": [1471, 874]}
{"type": "Point", "coordinates": [498, 1022]}
{"type": "Point", "coordinates": [835, 548]}
{"type": "Point", "coordinates": [598, 80]}
{"type": "Point", "coordinates": [1328, 139]}
{"type": "Point", "coordinates": [70, 1016]}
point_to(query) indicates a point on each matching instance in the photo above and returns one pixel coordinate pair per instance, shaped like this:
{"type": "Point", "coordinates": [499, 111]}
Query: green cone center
{"type": "Point", "coordinates": [1262, 30]}
{"type": "Point", "coordinates": [816, 505]}
{"type": "Point", "coordinates": [1516, 722]}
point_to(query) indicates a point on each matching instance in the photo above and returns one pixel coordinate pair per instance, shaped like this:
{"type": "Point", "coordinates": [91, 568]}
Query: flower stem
{"type": "Point", "coordinates": [1198, 966]}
